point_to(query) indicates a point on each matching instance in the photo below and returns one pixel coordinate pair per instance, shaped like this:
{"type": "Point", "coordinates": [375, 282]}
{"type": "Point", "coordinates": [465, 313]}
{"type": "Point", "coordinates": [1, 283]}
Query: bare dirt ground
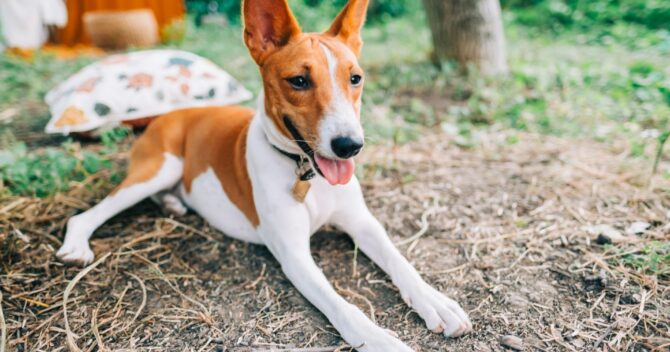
{"type": "Point", "coordinates": [517, 233]}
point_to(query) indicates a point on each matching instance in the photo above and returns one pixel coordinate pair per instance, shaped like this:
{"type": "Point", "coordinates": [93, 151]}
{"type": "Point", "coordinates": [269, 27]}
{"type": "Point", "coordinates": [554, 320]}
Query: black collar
{"type": "Point", "coordinates": [305, 169]}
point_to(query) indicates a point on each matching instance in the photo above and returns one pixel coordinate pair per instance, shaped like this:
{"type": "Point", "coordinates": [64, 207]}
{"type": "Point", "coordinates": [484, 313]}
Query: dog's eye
{"type": "Point", "coordinates": [355, 80]}
{"type": "Point", "coordinates": [299, 82]}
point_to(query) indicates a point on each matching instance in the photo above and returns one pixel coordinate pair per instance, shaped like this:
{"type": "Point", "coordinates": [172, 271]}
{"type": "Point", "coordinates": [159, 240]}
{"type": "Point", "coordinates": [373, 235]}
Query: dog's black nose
{"type": "Point", "coordinates": [346, 147]}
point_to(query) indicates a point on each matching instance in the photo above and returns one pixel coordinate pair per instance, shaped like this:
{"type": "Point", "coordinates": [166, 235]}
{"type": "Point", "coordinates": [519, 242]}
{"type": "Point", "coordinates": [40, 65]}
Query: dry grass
{"type": "Point", "coordinates": [507, 230]}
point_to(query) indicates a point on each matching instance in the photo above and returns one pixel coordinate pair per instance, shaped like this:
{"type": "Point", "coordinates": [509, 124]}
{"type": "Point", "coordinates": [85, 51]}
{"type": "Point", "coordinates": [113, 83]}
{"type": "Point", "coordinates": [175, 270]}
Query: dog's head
{"type": "Point", "coordinates": [312, 81]}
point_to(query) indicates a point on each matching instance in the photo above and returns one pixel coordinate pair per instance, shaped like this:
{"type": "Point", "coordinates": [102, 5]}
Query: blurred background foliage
{"type": "Point", "coordinates": [583, 14]}
{"type": "Point", "coordinates": [586, 69]}
{"type": "Point", "coordinates": [380, 10]}
{"type": "Point", "coordinates": [634, 23]}
{"type": "Point", "coordinates": [553, 15]}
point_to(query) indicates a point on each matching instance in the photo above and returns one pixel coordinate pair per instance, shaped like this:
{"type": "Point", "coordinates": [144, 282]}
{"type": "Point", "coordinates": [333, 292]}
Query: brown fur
{"type": "Point", "coordinates": [216, 137]}
{"type": "Point", "coordinates": [282, 51]}
{"type": "Point", "coordinates": [204, 137]}
{"type": "Point", "coordinates": [304, 56]}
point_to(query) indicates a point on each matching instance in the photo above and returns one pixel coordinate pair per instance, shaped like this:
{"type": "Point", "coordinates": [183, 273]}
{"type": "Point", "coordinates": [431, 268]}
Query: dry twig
{"type": "Point", "coordinates": [3, 327]}
{"type": "Point", "coordinates": [72, 344]}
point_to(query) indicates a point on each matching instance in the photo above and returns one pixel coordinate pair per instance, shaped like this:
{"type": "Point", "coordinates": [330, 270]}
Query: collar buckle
{"type": "Point", "coordinates": [304, 170]}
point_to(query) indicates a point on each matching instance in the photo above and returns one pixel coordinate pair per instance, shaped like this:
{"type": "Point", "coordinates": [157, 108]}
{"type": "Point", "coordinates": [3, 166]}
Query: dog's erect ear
{"type": "Point", "coordinates": [268, 25]}
{"type": "Point", "coordinates": [348, 24]}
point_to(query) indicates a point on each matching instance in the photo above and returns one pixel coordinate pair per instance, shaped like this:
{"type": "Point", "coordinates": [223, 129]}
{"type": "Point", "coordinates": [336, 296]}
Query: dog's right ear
{"type": "Point", "coordinates": [268, 25]}
{"type": "Point", "coordinates": [348, 24]}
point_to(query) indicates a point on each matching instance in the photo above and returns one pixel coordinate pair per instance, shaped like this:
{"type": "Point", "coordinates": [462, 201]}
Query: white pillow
{"type": "Point", "coordinates": [138, 85]}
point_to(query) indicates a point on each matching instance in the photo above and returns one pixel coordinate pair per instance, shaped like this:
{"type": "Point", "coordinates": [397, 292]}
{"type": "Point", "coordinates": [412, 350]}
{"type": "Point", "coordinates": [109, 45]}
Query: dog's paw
{"type": "Point", "coordinates": [76, 252]}
{"type": "Point", "coordinates": [173, 205]}
{"type": "Point", "coordinates": [364, 336]}
{"type": "Point", "coordinates": [382, 340]}
{"type": "Point", "coordinates": [441, 314]}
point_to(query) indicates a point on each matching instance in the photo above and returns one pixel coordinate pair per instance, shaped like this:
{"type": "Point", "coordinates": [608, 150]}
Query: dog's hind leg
{"type": "Point", "coordinates": [170, 202]}
{"type": "Point", "coordinates": [150, 172]}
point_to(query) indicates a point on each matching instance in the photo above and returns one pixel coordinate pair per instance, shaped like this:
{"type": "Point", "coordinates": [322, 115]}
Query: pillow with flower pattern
{"type": "Point", "coordinates": [132, 88]}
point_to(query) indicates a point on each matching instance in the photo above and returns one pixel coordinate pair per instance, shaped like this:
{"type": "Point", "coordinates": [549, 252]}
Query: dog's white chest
{"type": "Point", "coordinates": [321, 203]}
{"type": "Point", "coordinates": [208, 199]}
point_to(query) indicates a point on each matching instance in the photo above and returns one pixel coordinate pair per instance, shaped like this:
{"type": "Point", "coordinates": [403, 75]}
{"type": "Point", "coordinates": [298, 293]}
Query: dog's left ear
{"type": "Point", "coordinates": [348, 24]}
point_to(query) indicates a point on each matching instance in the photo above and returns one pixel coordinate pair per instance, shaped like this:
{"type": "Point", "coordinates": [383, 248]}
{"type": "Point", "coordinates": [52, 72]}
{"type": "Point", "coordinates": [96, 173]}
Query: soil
{"type": "Point", "coordinates": [517, 233]}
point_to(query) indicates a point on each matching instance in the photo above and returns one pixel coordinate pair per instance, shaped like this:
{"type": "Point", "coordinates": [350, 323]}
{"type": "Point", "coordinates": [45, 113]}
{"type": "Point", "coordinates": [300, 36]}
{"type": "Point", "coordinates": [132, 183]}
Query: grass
{"type": "Point", "coordinates": [53, 169]}
{"type": "Point", "coordinates": [24, 81]}
{"type": "Point", "coordinates": [570, 85]}
{"type": "Point", "coordinates": [652, 259]}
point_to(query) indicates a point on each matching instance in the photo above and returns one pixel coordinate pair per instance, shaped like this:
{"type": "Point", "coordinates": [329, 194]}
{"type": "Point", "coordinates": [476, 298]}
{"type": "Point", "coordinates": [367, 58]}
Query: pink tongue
{"type": "Point", "coordinates": [337, 172]}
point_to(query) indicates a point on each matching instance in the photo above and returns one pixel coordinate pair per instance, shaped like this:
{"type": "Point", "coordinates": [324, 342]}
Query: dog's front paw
{"type": "Point", "coordinates": [76, 252]}
{"type": "Point", "coordinates": [381, 340]}
{"type": "Point", "coordinates": [441, 314]}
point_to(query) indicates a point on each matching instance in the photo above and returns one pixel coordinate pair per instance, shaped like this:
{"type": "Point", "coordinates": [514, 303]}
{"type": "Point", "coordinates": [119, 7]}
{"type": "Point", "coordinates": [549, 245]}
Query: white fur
{"type": "Point", "coordinates": [80, 227]}
{"type": "Point", "coordinates": [340, 119]}
{"type": "Point", "coordinates": [208, 198]}
{"type": "Point", "coordinates": [272, 132]}
{"type": "Point", "coordinates": [286, 226]}
{"type": "Point", "coordinates": [286, 231]}
{"type": "Point", "coordinates": [170, 202]}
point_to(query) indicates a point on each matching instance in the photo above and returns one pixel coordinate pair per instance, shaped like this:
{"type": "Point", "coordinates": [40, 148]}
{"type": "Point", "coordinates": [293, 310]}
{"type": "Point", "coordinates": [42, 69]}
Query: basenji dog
{"type": "Point", "coordinates": [275, 176]}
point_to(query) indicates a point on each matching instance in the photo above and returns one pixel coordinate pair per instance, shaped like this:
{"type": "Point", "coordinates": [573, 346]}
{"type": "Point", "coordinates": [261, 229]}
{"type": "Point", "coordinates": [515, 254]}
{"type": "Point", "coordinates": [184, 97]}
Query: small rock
{"type": "Point", "coordinates": [624, 323]}
{"type": "Point", "coordinates": [630, 299]}
{"type": "Point", "coordinates": [603, 240]}
{"type": "Point", "coordinates": [579, 343]}
{"type": "Point", "coordinates": [516, 300]}
{"type": "Point", "coordinates": [512, 342]}
{"type": "Point", "coordinates": [606, 234]}
{"type": "Point", "coordinates": [638, 228]}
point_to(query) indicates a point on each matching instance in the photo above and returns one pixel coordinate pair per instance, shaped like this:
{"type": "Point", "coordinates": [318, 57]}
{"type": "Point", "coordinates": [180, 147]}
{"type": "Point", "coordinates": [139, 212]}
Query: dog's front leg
{"type": "Point", "coordinates": [440, 313]}
{"type": "Point", "coordinates": [287, 236]}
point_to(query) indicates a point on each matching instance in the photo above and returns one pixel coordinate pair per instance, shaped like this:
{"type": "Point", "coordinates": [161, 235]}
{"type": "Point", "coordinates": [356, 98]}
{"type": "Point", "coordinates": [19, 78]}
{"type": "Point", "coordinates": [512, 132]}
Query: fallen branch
{"type": "Point", "coordinates": [142, 304]}
{"type": "Point", "coordinates": [206, 315]}
{"type": "Point", "coordinates": [3, 327]}
{"type": "Point", "coordinates": [96, 331]}
{"type": "Point", "coordinates": [71, 343]}
{"type": "Point", "coordinates": [422, 231]}
{"type": "Point", "coordinates": [359, 296]}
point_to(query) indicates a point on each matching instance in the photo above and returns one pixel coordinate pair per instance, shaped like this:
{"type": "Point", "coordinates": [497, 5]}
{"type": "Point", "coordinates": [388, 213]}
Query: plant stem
{"type": "Point", "coordinates": [659, 152]}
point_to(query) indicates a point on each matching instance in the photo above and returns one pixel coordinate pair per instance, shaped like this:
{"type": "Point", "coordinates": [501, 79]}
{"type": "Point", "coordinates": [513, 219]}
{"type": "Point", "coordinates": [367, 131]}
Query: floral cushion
{"type": "Point", "coordinates": [129, 88]}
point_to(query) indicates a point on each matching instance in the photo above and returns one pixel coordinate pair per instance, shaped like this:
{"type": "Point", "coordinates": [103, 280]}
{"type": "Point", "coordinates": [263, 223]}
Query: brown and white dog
{"type": "Point", "coordinates": [276, 175]}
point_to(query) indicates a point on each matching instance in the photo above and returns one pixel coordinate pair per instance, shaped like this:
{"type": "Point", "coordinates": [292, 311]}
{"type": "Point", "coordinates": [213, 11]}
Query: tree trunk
{"type": "Point", "coordinates": [468, 31]}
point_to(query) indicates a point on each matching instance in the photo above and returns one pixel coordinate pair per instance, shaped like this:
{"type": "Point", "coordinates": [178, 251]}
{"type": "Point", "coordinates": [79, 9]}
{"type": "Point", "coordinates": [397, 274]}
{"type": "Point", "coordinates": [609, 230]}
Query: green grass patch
{"type": "Point", "coordinates": [653, 259]}
{"type": "Point", "coordinates": [23, 80]}
{"type": "Point", "coordinates": [47, 171]}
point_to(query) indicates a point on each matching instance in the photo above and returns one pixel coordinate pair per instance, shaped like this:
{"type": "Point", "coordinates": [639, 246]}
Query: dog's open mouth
{"type": "Point", "coordinates": [337, 172]}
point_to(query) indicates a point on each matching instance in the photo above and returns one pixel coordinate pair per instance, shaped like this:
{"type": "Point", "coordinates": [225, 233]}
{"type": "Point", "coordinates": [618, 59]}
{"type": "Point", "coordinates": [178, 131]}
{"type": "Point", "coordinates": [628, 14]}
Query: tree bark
{"type": "Point", "coordinates": [469, 32]}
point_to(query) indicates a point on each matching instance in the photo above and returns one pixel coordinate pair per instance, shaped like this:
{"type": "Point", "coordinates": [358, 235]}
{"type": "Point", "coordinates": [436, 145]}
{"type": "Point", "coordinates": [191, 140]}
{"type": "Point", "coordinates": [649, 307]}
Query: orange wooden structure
{"type": "Point", "coordinates": [166, 11]}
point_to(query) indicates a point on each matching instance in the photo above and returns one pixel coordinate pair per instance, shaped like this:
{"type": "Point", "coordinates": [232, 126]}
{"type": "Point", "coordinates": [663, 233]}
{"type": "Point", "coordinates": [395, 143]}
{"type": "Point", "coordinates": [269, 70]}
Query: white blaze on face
{"type": "Point", "coordinates": [340, 118]}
